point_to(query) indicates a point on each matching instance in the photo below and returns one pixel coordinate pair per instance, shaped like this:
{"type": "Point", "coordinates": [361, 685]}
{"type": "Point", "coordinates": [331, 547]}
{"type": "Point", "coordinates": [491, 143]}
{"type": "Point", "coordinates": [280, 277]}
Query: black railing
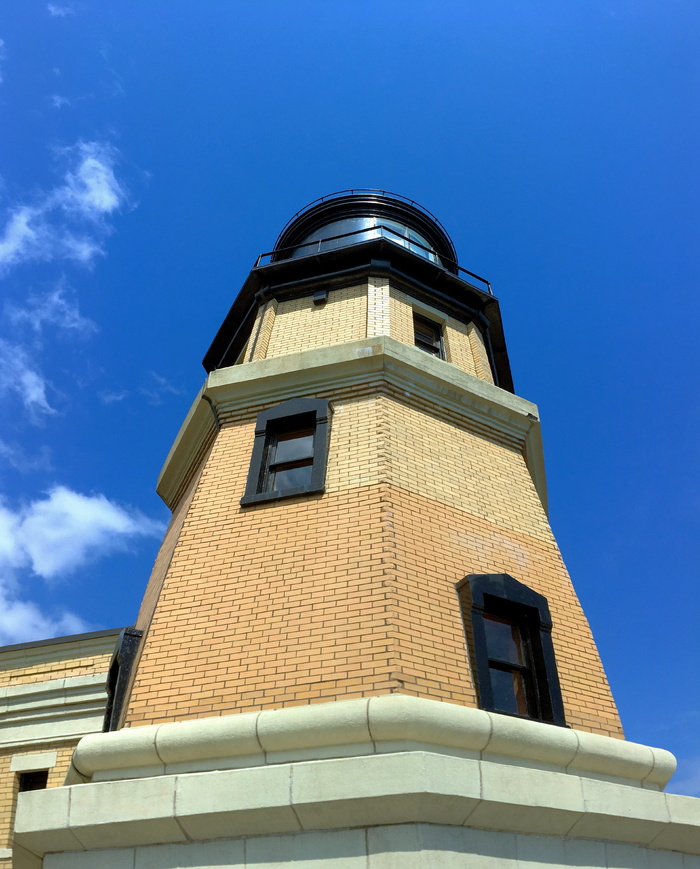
{"type": "Point", "coordinates": [358, 191]}
{"type": "Point", "coordinates": [316, 247]}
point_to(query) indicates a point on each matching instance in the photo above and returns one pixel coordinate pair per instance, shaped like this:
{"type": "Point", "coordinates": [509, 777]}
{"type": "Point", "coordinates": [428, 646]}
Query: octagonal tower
{"type": "Point", "coordinates": [359, 644]}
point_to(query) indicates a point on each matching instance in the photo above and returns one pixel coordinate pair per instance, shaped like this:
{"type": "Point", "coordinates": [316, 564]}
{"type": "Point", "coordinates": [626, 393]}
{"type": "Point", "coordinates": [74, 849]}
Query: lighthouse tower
{"type": "Point", "coordinates": [359, 646]}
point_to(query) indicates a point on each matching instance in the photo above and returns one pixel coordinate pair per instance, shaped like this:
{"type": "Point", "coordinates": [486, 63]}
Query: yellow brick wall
{"type": "Point", "coordinates": [378, 306]}
{"type": "Point", "coordinates": [458, 349]}
{"type": "Point", "coordinates": [9, 783]}
{"type": "Point", "coordinates": [366, 310]}
{"type": "Point", "coordinates": [301, 325]}
{"type": "Point", "coordinates": [431, 556]}
{"type": "Point", "coordinates": [401, 316]}
{"type": "Point", "coordinates": [481, 361]}
{"type": "Point", "coordinates": [262, 330]}
{"type": "Point", "coordinates": [464, 346]}
{"type": "Point", "coordinates": [51, 662]}
{"type": "Point", "coordinates": [352, 593]}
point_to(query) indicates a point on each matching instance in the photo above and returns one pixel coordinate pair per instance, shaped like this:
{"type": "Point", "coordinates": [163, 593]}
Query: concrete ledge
{"type": "Point", "coordinates": [376, 725]}
{"type": "Point", "coordinates": [408, 368]}
{"type": "Point", "coordinates": [402, 788]}
{"type": "Point", "coordinates": [53, 710]}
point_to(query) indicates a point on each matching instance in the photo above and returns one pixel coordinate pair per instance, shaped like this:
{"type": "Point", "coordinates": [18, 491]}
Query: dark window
{"type": "Point", "coordinates": [33, 781]}
{"type": "Point", "coordinates": [427, 336]}
{"type": "Point", "coordinates": [289, 451]}
{"type": "Point", "coordinates": [118, 676]}
{"type": "Point", "coordinates": [289, 461]}
{"type": "Point", "coordinates": [508, 628]}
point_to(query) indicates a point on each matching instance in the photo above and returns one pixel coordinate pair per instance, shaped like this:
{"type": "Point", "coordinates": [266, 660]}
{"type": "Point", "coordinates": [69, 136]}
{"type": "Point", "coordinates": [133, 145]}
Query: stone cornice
{"type": "Point", "coordinates": [388, 723]}
{"type": "Point", "coordinates": [346, 365]}
{"type": "Point", "coordinates": [52, 711]}
{"type": "Point", "coordinates": [60, 649]}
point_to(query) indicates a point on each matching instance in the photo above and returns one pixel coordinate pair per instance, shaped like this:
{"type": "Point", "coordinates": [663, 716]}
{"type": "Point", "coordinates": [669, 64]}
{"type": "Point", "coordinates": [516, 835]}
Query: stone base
{"type": "Point", "coordinates": [405, 846]}
{"type": "Point", "coordinates": [380, 782]}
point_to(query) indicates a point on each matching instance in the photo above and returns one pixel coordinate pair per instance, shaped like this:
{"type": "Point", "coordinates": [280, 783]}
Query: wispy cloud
{"type": "Point", "coordinates": [56, 11]}
{"type": "Point", "coordinates": [55, 308]}
{"type": "Point", "coordinates": [70, 221]}
{"type": "Point", "coordinates": [58, 534]}
{"type": "Point", "coordinates": [2, 57]}
{"type": "Point", "coordinates": [157, 388]}
{"type": "Point", "coordinates": [20, 376]}
{"type": "Point", "coordinates": [24, 460]}
{"type": "Point", "coordinates": [113, 396]}
{"type": "Point", "coordinates": [57, 101]}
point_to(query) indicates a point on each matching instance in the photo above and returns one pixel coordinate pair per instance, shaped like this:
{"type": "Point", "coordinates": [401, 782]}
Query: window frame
{"type": "Point", "coordinates": [501, 596]}
{"type": "Point", "coordinates": [291, 415]}
{"type": "Point", "coordinates": [118, 676]}
{"type": "Point", "coordinates": [438, 351]}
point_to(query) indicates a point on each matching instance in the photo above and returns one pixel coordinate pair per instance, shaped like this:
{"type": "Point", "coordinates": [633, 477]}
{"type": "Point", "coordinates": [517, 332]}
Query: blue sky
{"type": "Point", "coordinates": [150, 151]}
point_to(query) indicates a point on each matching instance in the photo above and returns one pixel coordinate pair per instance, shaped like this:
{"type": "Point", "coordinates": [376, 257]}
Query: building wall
{"type": "Point", "coordinates": [351, 593]}
{"type": "Point", "coordinates": [302, 325]}
{"type": "Point", "coordinates": [360, 311]}
{"type": "Point", "coordinates": [51, 694]}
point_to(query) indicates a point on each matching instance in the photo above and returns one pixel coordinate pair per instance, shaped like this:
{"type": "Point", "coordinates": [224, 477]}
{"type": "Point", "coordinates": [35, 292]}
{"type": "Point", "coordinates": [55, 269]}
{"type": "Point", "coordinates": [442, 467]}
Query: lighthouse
{"type": "Point", "coordinates": [359, 646]}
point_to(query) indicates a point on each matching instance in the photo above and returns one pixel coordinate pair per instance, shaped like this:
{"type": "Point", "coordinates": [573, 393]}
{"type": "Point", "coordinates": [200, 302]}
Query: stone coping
{"type": "Point", "coordinates": [343, 793]}
{"type": "Point", "coordinates": [345, 365]}
{"type": "Point", "coordinates": [363, 726]}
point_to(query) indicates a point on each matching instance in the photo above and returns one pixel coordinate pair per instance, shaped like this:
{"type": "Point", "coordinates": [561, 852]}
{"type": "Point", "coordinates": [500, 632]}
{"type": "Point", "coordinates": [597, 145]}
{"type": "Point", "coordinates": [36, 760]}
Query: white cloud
{"type": "Point", "coordinates": [70, 221]}
{"type": "Point", "coordinates": [92, 189]}
{"type": "Point", "coordinates": [59, 11]}
{"type": "Point", "coordinates": [22, 621]}
{"type": "Point", "coordinates": [54, 308]}
{"type": "Point", "coordinates": [53, 537]}
{"type": "Point", "coordinates": [64, 531]}
{"type": "Point", "coordinates": [18, 237]}
{"type": "Point", "coordinates": [20, 376]}
{"type": "Point", "coordinates": [57, 101]}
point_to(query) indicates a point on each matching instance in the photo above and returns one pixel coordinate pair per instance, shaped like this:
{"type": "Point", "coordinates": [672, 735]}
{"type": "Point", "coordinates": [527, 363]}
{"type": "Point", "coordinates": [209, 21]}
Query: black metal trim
{"type": "Point", "coordinates": [314, 412]}
{"type": "Point", "coordinates": [366, 203]}
{"type": "Point", "coordinates": [118, 676]}
{"type": "Point", "coordinates": [302, 277]}
{"type": "Point", "coordinates": [500, 594]}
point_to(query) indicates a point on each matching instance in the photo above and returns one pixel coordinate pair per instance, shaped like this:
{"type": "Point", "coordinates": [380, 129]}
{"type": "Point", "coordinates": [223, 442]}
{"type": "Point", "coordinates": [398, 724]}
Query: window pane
{"type": "Point", "coordinates": [294, 445]}
{"type": "Point", "coordinates": [291, 478]}
{"type": "Point", "coordinates": [508, 689]}
{"type": "Point", "coordinates": [426, 332]}
{"type": "Point", "coordinates": [503, 640]}
{"type": "Point", "coordinates": [427, 335]}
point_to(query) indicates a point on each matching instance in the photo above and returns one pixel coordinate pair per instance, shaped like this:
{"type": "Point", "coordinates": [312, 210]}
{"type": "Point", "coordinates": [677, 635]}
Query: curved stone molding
{"type": "Point", "coordinates": [365, 726]}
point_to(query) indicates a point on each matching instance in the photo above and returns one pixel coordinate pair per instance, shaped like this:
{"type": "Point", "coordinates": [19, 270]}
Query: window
{"type": "Point", "coordinates": [508, 628]}
{"type": "Point", "coordinates": [36, 780]}
{"type": "Point", "coordinates": [118, 676]}
{"type": "Point", "coordinates": [427, 335]}
{"type": "Point", "coordinates": [289, 451]}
